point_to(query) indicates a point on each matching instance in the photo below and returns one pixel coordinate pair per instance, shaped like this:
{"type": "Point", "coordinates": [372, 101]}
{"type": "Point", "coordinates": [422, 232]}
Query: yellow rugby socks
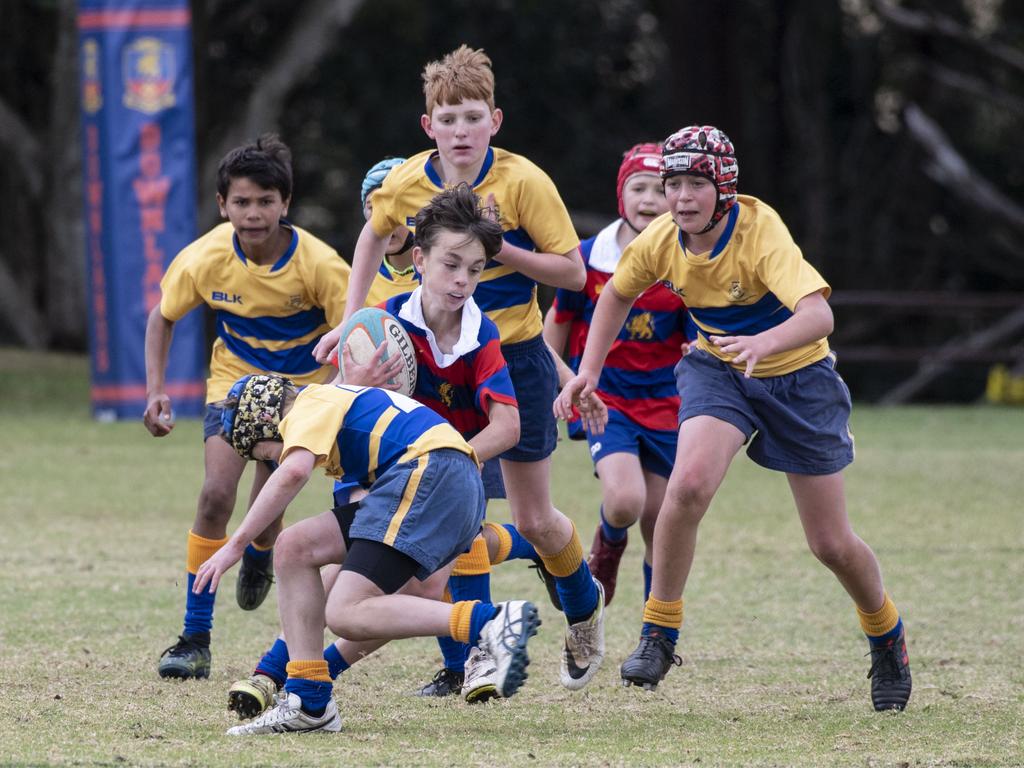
{"type": "Point", "coordinates": [663, 617]}
{"type": "Point", "coordinates": [310, 681]}
{"type": "Point", "coordinates": [575, 585]}
{"type": "Point", "coordinates": [470, 580]}
{"type": "Point", "coordinates": [199, 608]}
{"type": "Point", "coordinates": [883, 625]}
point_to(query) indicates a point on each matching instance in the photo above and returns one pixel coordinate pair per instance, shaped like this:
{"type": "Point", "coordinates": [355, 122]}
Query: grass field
{"type": "Point", "coordinates": [94, 518]}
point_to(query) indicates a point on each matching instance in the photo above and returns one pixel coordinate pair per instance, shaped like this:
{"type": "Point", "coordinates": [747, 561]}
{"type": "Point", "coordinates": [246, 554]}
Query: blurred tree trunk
{"type": "Point", "coordinates": [808, 44]}
{"type": "Point", "coordinates": [311, 36]}
{"type": "Point", "coordinates": [64, 261]}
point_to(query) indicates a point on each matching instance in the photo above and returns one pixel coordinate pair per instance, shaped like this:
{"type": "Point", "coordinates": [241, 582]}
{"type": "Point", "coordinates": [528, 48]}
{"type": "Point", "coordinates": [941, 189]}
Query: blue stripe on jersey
{"type": "Point", "coordinates": [354, 436]}
{"type": "Point", "coordinates": [281, 262]}
{"type": "Point", "coordinates": [507, 291]}
{"type": "Point", "coordinates": [656, 382]}
{"type": "Point", "coordinates": [520, 238]}
{"type": "Point", "coordinates": [746, 320]}
{"type": "Point", "coordinates": [267, 328]}
{"type": "Point", "coordinates": [294, 361]}
{"type": "Point", "coordinates": [437, 181]}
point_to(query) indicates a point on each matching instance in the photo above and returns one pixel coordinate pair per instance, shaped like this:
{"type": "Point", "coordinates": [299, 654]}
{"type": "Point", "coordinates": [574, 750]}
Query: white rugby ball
{"type": "Point", "coordinates": [365, 331]}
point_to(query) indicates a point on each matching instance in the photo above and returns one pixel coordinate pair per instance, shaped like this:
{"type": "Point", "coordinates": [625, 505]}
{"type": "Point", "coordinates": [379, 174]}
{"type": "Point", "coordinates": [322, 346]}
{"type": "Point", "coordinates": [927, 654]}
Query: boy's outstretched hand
{"type": "Point", "coordinates": [593, 413]}
{"type": "Point", "coordinates": [578, 392]}
{"type": "Point", "coordinates": [219, 564]}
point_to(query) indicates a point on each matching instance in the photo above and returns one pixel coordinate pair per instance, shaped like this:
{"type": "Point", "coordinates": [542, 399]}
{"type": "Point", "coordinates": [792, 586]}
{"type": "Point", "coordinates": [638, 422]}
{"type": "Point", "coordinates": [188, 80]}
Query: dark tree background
{"type": "Point", "coordinates": [888, 135]}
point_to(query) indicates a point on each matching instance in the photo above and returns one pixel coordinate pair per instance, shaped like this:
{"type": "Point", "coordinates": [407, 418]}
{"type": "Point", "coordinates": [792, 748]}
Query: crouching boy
{"type": "Point", "coordinates": [424, 507]}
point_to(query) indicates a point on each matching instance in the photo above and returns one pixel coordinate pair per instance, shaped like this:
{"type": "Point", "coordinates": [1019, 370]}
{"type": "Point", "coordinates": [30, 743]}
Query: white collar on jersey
{"type": "Point", "coordinates": [605, 253]}
{"type": "Point", "coordinates": [469, 339]}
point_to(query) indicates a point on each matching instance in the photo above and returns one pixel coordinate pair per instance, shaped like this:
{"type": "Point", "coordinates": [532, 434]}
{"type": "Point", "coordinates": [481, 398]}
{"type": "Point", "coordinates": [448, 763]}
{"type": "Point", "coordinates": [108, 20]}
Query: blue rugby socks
{"type": "Point", "coordinates": [199, 608]}
{"type": "Point", "coordinates": [575, 585]}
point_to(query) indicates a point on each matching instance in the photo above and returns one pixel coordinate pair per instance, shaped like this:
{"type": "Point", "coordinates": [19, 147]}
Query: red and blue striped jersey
{"type": "Point", "coordinates": [459, 386]}
{"type": "Point", "coordinates": [637, 379]}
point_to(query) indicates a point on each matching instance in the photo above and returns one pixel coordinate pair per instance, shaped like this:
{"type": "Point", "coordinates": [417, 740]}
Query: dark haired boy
{"type": "Point", "coordinates": [540, 246]}
{"type": "Point", "coordinates": [274, 289]}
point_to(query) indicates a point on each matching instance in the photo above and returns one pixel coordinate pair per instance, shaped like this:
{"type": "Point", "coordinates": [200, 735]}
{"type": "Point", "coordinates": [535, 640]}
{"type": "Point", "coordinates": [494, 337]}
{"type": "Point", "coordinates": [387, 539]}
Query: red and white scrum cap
{"type": "Point", "coordinates": [642, 158]}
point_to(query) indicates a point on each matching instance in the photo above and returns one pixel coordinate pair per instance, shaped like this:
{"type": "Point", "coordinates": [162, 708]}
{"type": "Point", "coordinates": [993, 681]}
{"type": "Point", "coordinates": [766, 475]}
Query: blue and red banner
{"type": "Point", "coordinates": [138, 151]}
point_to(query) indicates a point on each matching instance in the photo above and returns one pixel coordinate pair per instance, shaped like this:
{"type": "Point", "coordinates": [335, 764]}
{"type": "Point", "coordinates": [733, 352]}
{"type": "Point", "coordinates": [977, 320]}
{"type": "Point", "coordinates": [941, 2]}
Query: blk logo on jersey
{"type": "Point", "coordinates": [736, 292]}
{"type": "Point", "coordinates": [677, 291]}
{"type": "Point", "coordinates": [227, 298]}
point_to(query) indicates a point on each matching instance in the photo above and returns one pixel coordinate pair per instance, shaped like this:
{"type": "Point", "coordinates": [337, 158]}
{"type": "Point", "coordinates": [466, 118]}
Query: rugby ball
{"type": "Point", "coordinates": [365, 331]}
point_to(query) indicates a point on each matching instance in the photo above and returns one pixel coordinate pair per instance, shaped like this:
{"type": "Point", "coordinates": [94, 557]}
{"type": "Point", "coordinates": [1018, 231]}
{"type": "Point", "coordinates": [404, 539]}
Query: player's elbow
{"type": "Point", "coordinates": [511, 431]}
{"type": "Point", "coordinates": [578, 279]}
{"type": "Point", "coordinates": [507, 426]}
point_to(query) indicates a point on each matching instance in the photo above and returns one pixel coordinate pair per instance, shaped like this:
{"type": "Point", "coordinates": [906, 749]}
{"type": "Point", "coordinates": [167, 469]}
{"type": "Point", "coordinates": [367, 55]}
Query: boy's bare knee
{"type": "Point", "coordinates": [623, 507]}
{"type": "Point", "coordinates": [291, 549]}
{"type": "Point", "coordinates": [535, 528]}
{"type": "Point", "coordinates": [833, 552]}
{"type": "Point", "coordinates": [216, 504]}
{"type": "Point", "coordinates": [345, 619]}
{"type": "Point", "coordinates": [688, 498]}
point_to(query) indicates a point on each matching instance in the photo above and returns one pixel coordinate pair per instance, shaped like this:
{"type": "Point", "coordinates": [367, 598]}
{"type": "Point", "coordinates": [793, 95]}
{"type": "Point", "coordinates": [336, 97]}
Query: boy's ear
{"type": "Point", "coordinates": [287, 202]}
{"type": "Point", "coordinates": [496, 117]}
{"type": "Point", "coordinates": [221, 202]}
{"type": "Point", "coordinates": [425, 125]}
{"type": "Point", "coordinates": [418, 257]}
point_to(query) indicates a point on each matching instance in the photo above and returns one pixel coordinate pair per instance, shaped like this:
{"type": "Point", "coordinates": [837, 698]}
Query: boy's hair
{"type": "Point", "coordinates": [253, 411]}
{"type": "Point", "coordinates": [266, 162]}
{"type": "Point", "coordinates": [462, 75]}
{"type": "Point", "coordinates": [457, 209]}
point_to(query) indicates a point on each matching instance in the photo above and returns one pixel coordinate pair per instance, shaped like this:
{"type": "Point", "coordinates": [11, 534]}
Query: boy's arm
{"type": "Point", "coordinates": [563, 270]}
{"type": "Point", "coordinates": [609, 315]}
{"type": "Point", "coordinates": [158, 416]}
{"type": "Point", "coordinates": [501, 432]}
{"type": "Point", "coordinates": [283, 486]}
{"type": "Point", "coordinates": [366, 260]}
{"type": "Point", "coordinates": [556, 335]}
{"type": "Point", "coordinates": [811, 320]}
{"type": "Point", "coordinates": [593, 411]}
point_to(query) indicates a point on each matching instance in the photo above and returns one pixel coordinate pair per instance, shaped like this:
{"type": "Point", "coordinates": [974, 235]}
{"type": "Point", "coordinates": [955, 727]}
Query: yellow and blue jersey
{"type": "Point", "coordinates": [269, 317]}
{"type": "Point", "coordinates": [388, 283]}
{"type": "Point", "coordinates": [532, 215]}
{"type": "Point", "coordinates": [357, 433]}
{"type": "Point", "coordinates": [749, 282]}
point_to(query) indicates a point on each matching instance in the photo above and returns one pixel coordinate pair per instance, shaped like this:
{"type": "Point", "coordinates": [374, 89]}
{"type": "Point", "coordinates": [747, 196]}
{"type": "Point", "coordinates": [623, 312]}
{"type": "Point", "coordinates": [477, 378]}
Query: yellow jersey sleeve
{"type": "Point", "coordinates": [647, 260]}
{"type": "Point", "coordinates": [179, 291]}
{"type": "Point", "coordinates": [540, 210]}
{"type": "Point", "coordinates": [781, 266]}
{"type": "Point", "coordinates": [313, 423]}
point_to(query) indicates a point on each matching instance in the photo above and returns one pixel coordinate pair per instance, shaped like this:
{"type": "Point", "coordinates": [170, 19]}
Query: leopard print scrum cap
{"type": "Point", "coordinates": [260, 402]}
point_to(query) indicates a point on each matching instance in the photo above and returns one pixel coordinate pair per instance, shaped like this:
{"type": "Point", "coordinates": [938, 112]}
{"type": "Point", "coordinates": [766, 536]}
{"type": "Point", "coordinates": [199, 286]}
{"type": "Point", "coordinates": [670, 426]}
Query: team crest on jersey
{"type": "Point", "coordinates": [444, 391]}
{"type": "Point", "coordinates": [148, 75]}
{"type": "Point", "coordinates": [736, 292]}
{"type": "Point", "coordinates": [295, 302]}
{"type": "Point", "coordinates": [641, 326]}
{"type": "Point", "coordinates": [598, 288]}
